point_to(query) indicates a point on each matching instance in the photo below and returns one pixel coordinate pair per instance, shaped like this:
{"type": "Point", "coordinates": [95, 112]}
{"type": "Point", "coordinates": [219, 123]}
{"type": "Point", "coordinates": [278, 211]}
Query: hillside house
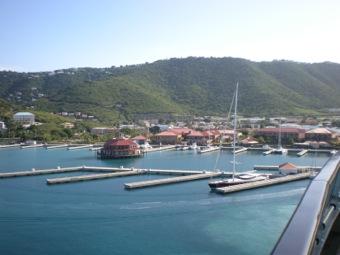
{"type": "Point", "coordinates": [24, 118]}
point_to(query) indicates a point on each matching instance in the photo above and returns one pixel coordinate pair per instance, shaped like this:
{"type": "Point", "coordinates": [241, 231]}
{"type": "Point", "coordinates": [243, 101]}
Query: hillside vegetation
{"type": "Point", "coordinates": [184, 86]}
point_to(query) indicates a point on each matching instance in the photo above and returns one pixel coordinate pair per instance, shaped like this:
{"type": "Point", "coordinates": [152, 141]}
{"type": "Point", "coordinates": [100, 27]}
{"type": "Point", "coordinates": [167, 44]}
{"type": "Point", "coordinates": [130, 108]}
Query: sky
{"type": "Point", "coordinates": [48, 35]}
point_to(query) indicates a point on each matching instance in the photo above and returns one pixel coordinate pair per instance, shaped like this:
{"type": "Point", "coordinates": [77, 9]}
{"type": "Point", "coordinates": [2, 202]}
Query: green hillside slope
{"type": "Point", "coordinates": [184, 86]}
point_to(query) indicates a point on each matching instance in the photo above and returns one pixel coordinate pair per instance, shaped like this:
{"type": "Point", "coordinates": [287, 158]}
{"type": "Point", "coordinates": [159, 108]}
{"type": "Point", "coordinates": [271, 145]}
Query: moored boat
{"type": "Point", "coordinates": [237, 178]}
{"type": "Point", "coordinates": [240, 179]}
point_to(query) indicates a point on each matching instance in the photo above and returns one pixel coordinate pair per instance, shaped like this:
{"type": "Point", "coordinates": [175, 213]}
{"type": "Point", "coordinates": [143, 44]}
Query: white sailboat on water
{"type": "Point", "coordinates": [237, 178]}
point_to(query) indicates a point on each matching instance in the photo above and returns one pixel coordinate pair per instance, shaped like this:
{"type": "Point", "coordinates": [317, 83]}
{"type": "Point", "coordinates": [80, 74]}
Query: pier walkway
{"type": "Point", "coordinates": [301, 153]}
{"type": "Point", "coordinates": [80, 147]}
{"type": "Point", "coordinates": [208, 150]}
{"type": "Point", "coordinates": [161, 148]}
{"type": "Point", "coordinates": [92, 177]}
{"type": "Point", "coordinates": [32, 146]}
{"type": "Point", "coordinates": [143, 184]}
{"type": "Point", "coordinates": [57, 146]}
{"type": "Point", "coordinates": [40, 172]}
{"type": "Point", "coordinates": [10, 146]}
{"type": "Point", "coordinates": [253, 185]}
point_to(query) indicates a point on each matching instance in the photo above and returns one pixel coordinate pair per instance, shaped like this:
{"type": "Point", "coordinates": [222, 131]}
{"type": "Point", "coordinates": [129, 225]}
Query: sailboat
{"type": "Point", "coordinates": [280, 149]}
{"type": "Point", "coordinates": [237, 178]}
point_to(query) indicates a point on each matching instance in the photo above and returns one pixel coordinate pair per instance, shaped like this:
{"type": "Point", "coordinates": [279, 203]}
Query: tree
{"type": "Point", "coordinates": [261, 140]}
{"type": "Point", "coordinates": [154, 130]}
{"type": "Point", "coordinates": [86, 137]}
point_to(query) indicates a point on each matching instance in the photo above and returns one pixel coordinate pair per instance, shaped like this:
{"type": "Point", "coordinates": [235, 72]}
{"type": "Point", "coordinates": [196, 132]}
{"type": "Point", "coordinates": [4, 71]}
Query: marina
{"type": "Point", "coordinates": [50, 214]}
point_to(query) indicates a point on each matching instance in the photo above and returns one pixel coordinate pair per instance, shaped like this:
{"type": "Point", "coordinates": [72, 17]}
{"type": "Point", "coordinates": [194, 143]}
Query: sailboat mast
{"type": "Point", "coordinates": [234, 140]}
{"type": "Point", "coordinates": [279, 139]}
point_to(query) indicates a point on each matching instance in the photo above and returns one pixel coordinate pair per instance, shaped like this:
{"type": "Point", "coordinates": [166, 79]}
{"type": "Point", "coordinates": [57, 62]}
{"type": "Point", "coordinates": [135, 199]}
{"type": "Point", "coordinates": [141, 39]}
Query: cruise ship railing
{"type": "Point", "coordinates": [314, 227]}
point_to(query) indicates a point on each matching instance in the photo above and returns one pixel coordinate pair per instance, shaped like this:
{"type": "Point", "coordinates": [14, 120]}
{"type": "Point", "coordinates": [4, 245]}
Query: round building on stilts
{"type": "Point", "coordinates": [119, 148]}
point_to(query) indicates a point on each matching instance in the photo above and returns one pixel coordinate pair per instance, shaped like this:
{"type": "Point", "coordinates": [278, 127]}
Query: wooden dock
{"type": "Point", "coordinates": [143, 184]}
{"type": "Point", "coordinates": [91, 177]}
{"type": "Point", "coordinates": [253, 185]}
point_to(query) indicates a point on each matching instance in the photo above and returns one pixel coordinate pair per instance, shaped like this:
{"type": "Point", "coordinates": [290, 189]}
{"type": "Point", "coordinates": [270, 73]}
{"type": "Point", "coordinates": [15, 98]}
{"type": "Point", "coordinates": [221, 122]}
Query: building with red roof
{"type": "Point", "coordinates": [167, 137]}
{"type": "Point", "coordinates": [321, 134]}
{"type": "Point", "coordinates": [289, 168]}
{"type": "Point", "coordinates": [298, 134]}
{"type": "Point", "coordinates": [119, 148]}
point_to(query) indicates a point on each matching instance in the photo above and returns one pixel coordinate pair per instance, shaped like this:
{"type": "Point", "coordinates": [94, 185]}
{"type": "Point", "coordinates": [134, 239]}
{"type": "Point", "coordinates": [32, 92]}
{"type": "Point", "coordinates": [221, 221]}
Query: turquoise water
{"type": "Point", "coordinates": [101, 217]}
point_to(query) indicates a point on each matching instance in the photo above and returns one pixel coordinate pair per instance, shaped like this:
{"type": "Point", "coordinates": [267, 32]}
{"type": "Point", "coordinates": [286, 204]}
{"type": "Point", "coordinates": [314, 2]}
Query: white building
{"type": "Point", "coordinates": [23, 118]}
{"type": "Point", "coordinates": [2, 126]}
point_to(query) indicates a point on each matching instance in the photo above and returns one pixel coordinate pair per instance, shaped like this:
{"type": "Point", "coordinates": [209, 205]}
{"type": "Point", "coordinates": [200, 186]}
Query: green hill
{"type": "Point", "coordinates": [184, 86]}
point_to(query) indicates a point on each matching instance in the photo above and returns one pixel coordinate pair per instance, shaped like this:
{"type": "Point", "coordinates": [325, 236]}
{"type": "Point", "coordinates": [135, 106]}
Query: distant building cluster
{"type": "Point", "coordinates": [77, 116]}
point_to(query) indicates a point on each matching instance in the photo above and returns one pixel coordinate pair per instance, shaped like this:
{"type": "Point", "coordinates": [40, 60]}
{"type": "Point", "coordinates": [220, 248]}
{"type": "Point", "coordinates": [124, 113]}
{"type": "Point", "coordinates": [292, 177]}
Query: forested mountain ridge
{"type": "Point", "coordinates": [184, 86]}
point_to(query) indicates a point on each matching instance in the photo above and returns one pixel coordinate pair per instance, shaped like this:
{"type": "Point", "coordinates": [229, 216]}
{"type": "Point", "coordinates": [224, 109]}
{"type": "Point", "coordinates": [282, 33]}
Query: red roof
{"type": "Point", "coordinates": [179, 131]}
{"type": "Point", "coordinates": [288, 166]}
{"type": "Point", "coordinates": [139, 137]}
{"type": "Point", "coordinates": [167, 133]}
{"type": "Point", "coordinates": [283, 130]}
{"type": "Point", "coordinates": [119, 142]}
{"type": "Point", "coordinates": [195, 134]}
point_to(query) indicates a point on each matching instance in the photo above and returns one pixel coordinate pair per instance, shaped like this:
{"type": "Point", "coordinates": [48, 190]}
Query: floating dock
{"type": "Point", "coordinates": [9, 146]}
{"type": "Point", "coordinates": [241, 150]}
{"type": "Point", "coordinates": [57, 146]}
{"type": "Point", "coordinates": [40, 172]}
{"type": "Point", "coordinates": [208, 150]}
{"type": "Point", "coordinates": [268, 152]}
{"type": "Point", "coordinates": [143, 184]}
{"type": "Point", "coordinates": [161, 148]}
{"type": "Point", "coordinates": [80, 147]}
{"type": "Point", "coordinates": [92, 177]}
{"type": "Point", "coordinates": [301, 153]}
{"type": "Point", "coordinates": [96, 148]}
{"type": "Point", "coordinates": [32, 146]}
{"type": "Point", "coordinates": [253, 185]}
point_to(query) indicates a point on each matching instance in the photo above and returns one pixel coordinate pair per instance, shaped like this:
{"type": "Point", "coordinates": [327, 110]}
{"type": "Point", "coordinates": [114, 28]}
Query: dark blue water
{"type": "Point", "coordinates": [101, 217]}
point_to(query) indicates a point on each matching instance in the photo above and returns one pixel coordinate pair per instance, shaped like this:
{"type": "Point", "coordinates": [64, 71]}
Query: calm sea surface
{"type": "Point", "coordinates": [101, 217]}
